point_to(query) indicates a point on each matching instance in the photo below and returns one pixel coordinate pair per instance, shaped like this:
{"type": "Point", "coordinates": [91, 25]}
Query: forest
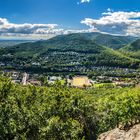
{"type": "Point", "coordinates": [63, 113]}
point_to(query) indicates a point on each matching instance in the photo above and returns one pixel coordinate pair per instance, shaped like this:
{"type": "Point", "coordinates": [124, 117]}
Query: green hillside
{"type": "Point", "coordinates": [67, 50]}
{"type": "Point", "coordinates": [111, 41]}
{"type": "Point", "coordinates": [132, 50]}
{"type": "Point", "coordinates": [73, 42]}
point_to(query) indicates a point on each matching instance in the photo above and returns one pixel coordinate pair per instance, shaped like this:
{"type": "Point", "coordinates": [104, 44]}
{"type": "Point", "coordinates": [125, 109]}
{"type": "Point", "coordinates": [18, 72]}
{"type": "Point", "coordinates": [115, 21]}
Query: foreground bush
{"type": "Point", "coordinates": [61, 113]}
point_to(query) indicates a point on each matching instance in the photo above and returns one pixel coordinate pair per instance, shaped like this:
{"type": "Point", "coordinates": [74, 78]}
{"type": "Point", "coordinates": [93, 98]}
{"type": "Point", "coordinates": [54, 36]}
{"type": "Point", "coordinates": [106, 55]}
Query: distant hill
{"type": "Point", "coordinates": [73, 42]}
{"type": "Point", "coordinates": [79, 41]}
{"type": "Point", "coordinates": [132, 50]}
{"type": "Point", "coordinates": [133, 47]}
{"type": "Point", "coordinates": [111, 41]}
{"type": "Point", "coordinates": [67, 50]}
{"type": "Point", "coordinates": [7, 43]}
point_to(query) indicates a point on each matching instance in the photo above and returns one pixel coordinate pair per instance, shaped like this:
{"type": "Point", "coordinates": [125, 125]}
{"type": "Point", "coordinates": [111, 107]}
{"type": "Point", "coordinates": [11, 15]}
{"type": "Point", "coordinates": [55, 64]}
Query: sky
{"type": "Point", "coordinates": [42, 19]}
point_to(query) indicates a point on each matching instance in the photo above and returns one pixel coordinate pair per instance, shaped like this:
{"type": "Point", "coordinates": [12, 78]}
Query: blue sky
{"type": "Point", "coordinates": [45, 18]}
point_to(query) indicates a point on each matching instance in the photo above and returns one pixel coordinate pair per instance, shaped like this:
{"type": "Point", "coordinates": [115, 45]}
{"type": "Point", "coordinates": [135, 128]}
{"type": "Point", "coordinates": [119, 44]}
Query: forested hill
{"type": "Point", "coordinates": [133, 47]}
{"type": "Point", "coordinates": [72, 49]}
{"type": "Point", "coordinates": [132, 50]}
{"type": "Point", "coordinates": [111, 41]}
{"type": "Point", "coordinates": [72, 42]}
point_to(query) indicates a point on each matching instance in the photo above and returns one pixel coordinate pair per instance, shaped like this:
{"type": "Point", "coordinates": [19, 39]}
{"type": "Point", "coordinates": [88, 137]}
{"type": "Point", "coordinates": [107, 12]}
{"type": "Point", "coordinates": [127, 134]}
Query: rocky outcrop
{"type": "Point", "coordinates": [117, 134]}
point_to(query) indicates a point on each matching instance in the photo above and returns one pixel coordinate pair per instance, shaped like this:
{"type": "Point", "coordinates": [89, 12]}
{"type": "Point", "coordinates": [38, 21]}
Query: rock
{"type": "Point", "coordinates": [117, 134]}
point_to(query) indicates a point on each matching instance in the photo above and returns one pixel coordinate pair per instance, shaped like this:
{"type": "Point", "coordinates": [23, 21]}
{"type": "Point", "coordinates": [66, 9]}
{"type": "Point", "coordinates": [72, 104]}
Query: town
{"type": "Point", "coordinates": [74, 80]}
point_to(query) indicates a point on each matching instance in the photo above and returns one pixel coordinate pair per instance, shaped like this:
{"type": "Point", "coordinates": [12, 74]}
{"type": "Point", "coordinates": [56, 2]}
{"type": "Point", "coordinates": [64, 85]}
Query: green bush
{"type": "Point", "coordinates": [61, 113]}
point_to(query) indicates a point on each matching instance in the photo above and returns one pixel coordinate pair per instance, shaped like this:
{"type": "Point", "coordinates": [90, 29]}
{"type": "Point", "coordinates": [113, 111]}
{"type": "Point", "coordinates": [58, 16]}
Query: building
{"type": "Point", "coordinates": [25, 78]}
{"type": "Point", "coordinates": [15, 75]}
{"type": "Point", "coordinates": [53, 79]}
{"type": "Point", "coordinates": [34, 82]}
{"type": "Point", "coordinates": [81, 81]}
{"type": "Point", "coordinates": [16, 81]}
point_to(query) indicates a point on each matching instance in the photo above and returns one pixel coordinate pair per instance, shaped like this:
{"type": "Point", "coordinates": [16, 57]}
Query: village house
{"type": "Point", "coordinates": [81, 82]}
{"type": "Point", "coordinates": [53, 79]}
{"type": "Point", "coordinates": [14, 75]}
{"type": "Point", "coordinates": [123, 84]}
{"type": "Point", "coordinates": [16, 81]}
{"type": "Point", "coordinates": [34, 82]}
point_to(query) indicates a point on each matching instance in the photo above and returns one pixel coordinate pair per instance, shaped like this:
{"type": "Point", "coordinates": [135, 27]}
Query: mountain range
{"type": "Point", "coordinates": [86, 49]}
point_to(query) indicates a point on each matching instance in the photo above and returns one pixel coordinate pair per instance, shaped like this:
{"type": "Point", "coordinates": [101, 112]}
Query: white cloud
{"type": "Point", "coordinates": [84, 1]}
{"type": "Point", "coordinates": [118, 23]}
{"type": "Point", "coordinates": [35, 31]}
{"type": "Point", "coordinates": [122, 23]}
{"type": "Point", "coordinates": [7, 27]}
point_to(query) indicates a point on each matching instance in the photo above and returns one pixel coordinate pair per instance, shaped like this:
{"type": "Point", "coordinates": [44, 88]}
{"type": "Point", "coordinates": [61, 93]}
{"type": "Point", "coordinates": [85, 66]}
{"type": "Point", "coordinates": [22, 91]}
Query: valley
{"type": "Point", "coordinates": [77, 54]}
{"type": "Point", "coordinates": [69, 70]}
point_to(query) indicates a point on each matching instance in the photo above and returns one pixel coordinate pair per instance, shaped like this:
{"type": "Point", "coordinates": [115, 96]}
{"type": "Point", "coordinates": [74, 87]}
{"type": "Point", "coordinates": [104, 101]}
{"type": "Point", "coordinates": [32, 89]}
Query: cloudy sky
{"type": "Point", "coordinates": [41, 19]}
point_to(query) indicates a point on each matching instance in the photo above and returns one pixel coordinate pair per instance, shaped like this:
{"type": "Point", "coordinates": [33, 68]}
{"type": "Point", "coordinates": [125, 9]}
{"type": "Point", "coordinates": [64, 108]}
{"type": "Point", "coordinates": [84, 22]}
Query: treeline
{"type": "Point", "coordinates": [62, 113]}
